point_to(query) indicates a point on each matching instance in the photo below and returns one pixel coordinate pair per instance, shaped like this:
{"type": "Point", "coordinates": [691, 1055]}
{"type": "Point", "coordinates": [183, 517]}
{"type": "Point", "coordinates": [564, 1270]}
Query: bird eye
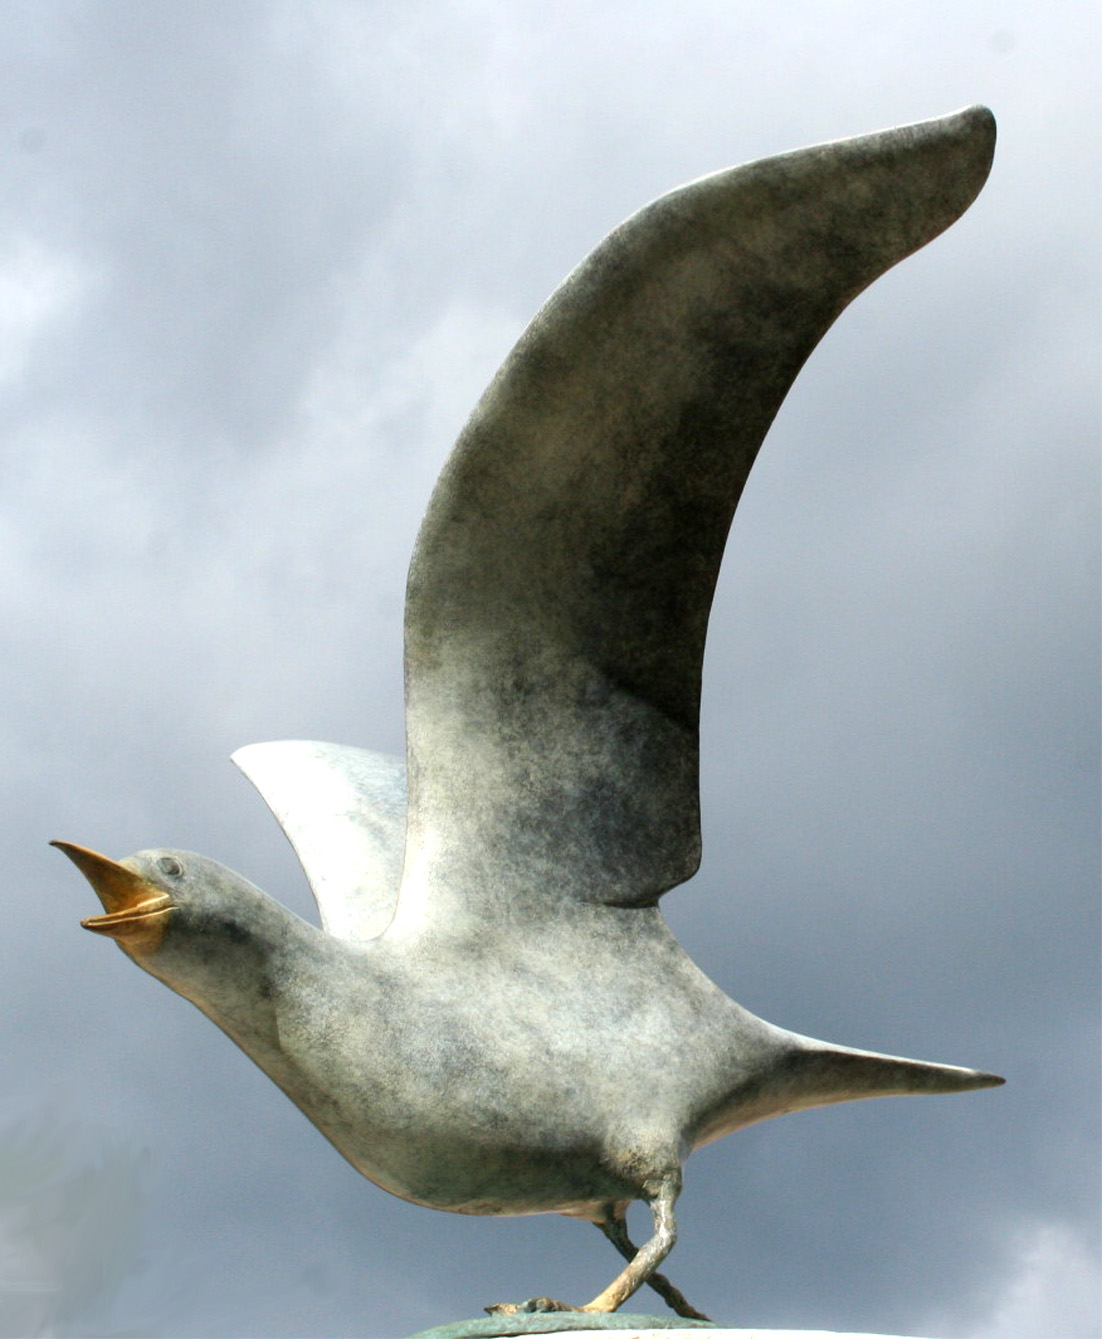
{"type": "Point", "coordinates": [169, 865]}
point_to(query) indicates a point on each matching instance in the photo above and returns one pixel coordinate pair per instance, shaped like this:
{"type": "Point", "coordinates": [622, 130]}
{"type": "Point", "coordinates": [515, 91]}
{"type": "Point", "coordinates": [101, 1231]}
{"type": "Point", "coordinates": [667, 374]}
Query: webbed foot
{"type": "Point", "coordinates": [533, 1305]}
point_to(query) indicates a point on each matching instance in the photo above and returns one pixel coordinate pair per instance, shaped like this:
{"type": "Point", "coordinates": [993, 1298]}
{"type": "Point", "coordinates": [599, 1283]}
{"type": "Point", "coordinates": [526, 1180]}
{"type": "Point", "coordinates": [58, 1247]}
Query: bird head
{"type": "Point", "coordinates": [208, 934]}
{"type": "Point", "coordinates": [202, 929]}
{"type": "Point", "coordinates": [159, 905]}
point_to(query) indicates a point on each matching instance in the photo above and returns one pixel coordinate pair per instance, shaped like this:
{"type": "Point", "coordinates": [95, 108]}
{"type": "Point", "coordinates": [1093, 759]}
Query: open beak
{"type": "Point", "coordinates": [137, 911]}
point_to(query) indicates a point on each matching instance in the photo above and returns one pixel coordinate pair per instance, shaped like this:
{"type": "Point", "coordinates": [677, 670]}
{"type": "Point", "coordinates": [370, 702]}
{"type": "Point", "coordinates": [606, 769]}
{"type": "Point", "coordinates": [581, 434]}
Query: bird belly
{"type": "Point", "coordinates": [488, 1107]}
{"type": "Point", "coordinates": [476, 1142]}
{"type": "Point", "coordinates": [467, 1177]}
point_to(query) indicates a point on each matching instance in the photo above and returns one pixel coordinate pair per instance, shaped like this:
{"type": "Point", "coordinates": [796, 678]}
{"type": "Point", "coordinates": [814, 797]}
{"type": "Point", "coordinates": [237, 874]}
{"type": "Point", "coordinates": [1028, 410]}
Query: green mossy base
{"type": "Point", "coordinates": [558, 1322]}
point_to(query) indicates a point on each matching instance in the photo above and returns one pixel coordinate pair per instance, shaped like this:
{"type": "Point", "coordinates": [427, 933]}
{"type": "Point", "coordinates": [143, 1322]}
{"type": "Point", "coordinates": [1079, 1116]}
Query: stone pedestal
{"type": "Point", "coordinates": [623, 1325]}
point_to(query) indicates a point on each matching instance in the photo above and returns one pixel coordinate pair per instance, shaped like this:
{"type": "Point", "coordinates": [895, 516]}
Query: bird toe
{"type": "Point", "coordinates": [534, 1305]}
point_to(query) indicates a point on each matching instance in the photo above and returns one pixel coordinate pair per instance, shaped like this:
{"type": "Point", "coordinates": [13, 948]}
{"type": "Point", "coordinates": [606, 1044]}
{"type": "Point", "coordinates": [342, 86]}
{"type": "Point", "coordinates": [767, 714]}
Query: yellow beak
{"type": "Point", "coordinates": [137, 911]}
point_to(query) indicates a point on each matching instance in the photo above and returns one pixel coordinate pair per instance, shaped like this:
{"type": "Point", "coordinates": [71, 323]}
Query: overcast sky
{"type": "Point", "coordinates": [257, 261]}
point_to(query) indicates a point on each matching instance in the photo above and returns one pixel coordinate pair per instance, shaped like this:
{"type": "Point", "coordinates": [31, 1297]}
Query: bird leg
{"type": "Point", "coordinates": [615, 1229]}
{"type": "Point", "coordinates": [642, 1263]}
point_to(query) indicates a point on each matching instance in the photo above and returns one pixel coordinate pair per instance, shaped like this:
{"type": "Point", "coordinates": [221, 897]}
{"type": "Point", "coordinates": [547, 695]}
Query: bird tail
{"type": "Point", "coordinates": [796, 1073]}
{"type": "Point", "coordinates": [820, 1073]}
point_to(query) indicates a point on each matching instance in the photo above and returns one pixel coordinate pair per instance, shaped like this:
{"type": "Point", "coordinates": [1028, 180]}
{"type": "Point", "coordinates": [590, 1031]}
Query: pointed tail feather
{"type": "Point", "coordinates": [823, 1074]}
{"type": "Point", "coordinates": [799, 1072]}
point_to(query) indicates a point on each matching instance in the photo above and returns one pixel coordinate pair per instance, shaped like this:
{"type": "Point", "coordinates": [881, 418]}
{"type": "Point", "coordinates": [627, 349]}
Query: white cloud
{"type": "Point", "coordinates": [38, 286]}
{"type": "Point", "coordinates": [70, 1208]}
{"type": "Point", "coordinates": [1054, 1290]}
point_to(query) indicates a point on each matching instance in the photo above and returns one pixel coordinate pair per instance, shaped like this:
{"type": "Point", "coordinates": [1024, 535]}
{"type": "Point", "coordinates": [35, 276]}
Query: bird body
{"type": "Point", "coordinates": [509, 1073]}
{"type": "Point", "coordinates": [495, 1017]}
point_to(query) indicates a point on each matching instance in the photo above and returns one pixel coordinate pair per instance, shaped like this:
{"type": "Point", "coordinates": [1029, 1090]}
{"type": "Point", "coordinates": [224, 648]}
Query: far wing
{"type": "Point", "coordinates": [344, 811]}
{"type": "Point", "coordinates": [559, 593]}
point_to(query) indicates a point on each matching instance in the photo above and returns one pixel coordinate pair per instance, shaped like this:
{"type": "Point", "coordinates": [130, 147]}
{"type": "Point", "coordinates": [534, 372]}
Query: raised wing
{"type": "Point", "coordinates": [559, 593]}
{"type": "Point", "coordinates": [344, 812]}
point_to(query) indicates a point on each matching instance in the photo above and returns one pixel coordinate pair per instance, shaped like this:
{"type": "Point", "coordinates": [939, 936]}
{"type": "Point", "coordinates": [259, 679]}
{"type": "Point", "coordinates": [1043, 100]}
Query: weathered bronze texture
{"type": "Point", "coordinates": [495, 1018]}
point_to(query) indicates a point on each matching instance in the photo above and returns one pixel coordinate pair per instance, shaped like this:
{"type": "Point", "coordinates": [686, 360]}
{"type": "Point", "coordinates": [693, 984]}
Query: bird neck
{"type": "Point", "coordinates": [240, 969]}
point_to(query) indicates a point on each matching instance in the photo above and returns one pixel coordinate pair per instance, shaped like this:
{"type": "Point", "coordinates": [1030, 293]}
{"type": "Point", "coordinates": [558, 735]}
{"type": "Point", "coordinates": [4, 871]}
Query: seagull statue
{"type": "Point", "coordinates": [495, 1017]}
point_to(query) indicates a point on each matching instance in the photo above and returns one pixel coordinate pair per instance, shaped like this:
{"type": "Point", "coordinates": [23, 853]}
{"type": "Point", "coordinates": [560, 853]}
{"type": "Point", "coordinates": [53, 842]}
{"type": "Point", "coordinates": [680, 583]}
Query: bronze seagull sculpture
{"type": "Point", "coordinates": [495, 1018]}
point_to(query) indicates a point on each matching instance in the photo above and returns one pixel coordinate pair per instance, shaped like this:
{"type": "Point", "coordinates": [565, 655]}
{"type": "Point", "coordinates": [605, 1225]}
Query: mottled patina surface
{"type": "Point", "coordinates": [511, 1327]}
{"type": "Point", "coordinates": [495, 1017]}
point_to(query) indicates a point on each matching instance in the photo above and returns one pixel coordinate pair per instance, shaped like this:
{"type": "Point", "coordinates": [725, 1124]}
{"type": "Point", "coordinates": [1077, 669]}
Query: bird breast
{"type": "Point", "coordinates": [511, 1085]}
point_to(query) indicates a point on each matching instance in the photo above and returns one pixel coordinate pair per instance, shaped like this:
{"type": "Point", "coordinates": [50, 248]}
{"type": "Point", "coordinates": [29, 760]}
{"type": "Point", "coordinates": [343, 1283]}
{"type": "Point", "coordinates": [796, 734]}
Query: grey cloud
{"type": "Point", "coordinates": [278, 252]}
